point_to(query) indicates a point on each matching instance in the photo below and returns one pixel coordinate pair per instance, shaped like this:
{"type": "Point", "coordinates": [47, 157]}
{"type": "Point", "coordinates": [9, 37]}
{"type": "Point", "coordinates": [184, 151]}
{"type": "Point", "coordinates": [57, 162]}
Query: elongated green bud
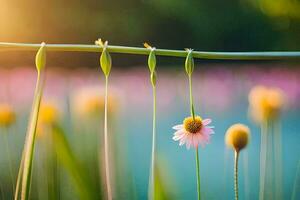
{"type": "Point", "coordinates": [153, 78]}
{"type": "Point", "coordinates": [189, 62]}
{"type": "Point", "coordinates": [105, 60]}
{"type": "Point", "coordinates": [152, 60]}
{"type": "Point", "coordinates": [40, 58]}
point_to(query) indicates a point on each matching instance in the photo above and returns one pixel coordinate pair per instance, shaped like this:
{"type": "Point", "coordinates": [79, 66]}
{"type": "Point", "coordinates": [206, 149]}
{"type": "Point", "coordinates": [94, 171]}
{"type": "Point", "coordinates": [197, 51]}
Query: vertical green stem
{"type": "Point", "coordinates": [263, 158]}
{"type": "Point", "coordinates": [191, 97]}
{"type": "Point", "coordinates": [198, 174]}
{"type": "Point", "coordinates": [152, 173]}
{"type": "Point", "coordinates": [30, 137]}
{"type": "Point", "coordinates": [9, 159]}
{"type": "Point", "coordinates": [106, 149]}
{"type": "Point", "coordinates": [19, 176]}
{"type": "Point", "coordinates": [236, 184]}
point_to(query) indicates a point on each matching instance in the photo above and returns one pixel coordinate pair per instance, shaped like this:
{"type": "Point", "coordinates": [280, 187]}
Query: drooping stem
{"type": "Point", "coordinates": [106, 149]}
{"type": "Point", "coordinates": [236, 183]}
{"type": "Point", "coordinates": [191, 97]}
{"type": "Point", "coordinates": [275, 55]}
{"type": "Point", "coordinates": [263, 158]}
{"type": "Point", "coordinates": [198, 174]}
{"type": "Point", "coordinates": [30, 137]}
{"type": "Point", "coordinates": [151, 192]}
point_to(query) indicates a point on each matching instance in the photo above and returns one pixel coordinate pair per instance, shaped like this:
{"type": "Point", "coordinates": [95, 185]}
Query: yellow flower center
{"type": "Point", "coordinates": [192, 125]}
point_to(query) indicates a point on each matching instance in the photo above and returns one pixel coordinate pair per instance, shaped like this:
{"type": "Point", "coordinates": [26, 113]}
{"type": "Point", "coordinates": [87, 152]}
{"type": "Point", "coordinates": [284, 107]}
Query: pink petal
{"type": "Point", "coordinates": [178, 136]}
{"type": "Point", "coordinates": [178, 127]}
{"type": "Point", "coordinates": [206, 122]}
{"type": "Point", "coordinates": [188, 141]}
{"type": "Point", "coordinates": [182, 141]}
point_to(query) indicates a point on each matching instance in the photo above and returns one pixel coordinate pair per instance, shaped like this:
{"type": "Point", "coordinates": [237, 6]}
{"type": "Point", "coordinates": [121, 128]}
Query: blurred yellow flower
{"type": "Point", "coordinates": [237, 136]}
{"type": "Point", "coordinates": [7, 115]}
{"type": "Point", "coordinates": [265, 103]}
{"type": "Point", "coordinates": [49, 113]}
{"type": "Point", "coordinates": [89, 101]}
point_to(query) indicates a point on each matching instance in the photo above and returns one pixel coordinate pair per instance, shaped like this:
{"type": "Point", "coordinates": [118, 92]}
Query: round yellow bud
{"type": "Point", "coordinates": [7, 115]}
{"type": "Point", "coordinates": [237, 137]}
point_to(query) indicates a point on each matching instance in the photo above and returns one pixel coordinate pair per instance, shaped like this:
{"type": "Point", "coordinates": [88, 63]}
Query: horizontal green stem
{"type": "Point", "coordinates": [272, 55]}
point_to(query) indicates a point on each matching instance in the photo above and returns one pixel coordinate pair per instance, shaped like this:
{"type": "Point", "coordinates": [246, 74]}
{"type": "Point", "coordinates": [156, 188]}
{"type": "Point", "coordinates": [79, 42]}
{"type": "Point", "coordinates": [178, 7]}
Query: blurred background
{"type": "Point", "coordinates": [68, 158]}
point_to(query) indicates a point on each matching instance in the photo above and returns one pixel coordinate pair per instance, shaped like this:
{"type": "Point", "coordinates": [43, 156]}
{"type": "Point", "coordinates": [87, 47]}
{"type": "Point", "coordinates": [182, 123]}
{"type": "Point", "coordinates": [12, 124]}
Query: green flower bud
{"type": "Point", "coordinates": [153, 78]}
{"type": "Point", "coordinates": [152, 60]}
{"type": "Point", "coordinates": [40, 58]}
{"type": "Point", "coordinates": [189, 62]}
{"type": "Point", "coordinates": [105, 60]}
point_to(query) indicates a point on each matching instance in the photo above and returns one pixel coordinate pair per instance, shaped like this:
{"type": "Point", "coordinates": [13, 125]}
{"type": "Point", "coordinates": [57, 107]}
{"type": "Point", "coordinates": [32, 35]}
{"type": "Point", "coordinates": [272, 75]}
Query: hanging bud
{"type": "Point", "coordinates": [153, 78]}
{"type": "Point", "coordinates": [189, 62]}
{"type": "Point", "coordinates": [105, 60]}
{"type": "Point", "coordinates": [40, 58]}
{"type": "Point", "coordinates": [151, 58]}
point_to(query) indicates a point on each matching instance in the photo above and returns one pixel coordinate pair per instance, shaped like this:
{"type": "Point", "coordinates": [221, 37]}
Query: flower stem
{"type": "Point", "coordinates": [191, 97]}
{"type": "Point", "coordinates": [152, 173]}
{"type": "Point", "coordinates": [106, 153]}
{"type": "Point", "coordinates": [198, 175]}
{"type": "Point", "coordinates": [30, 137]}
{"type": "Point", "coordinates": [236, 184]}
{"type": "Point", "coordinates": [275, 55]}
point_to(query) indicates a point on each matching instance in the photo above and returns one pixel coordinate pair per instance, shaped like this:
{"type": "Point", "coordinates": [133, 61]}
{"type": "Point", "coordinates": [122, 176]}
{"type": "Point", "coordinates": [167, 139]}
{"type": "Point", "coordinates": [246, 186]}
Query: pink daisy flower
{"type": "Point", "coordinates": [193, 132]}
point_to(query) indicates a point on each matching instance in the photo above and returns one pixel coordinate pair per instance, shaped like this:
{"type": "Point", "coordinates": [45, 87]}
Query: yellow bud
{"type": "Point", "coordinates": [152, 60]}
{"type": "Point", "coordinates": [105, 59]}
{"type": "Point", "coordinates": [7, 115]}
{"type": "Point", "coordinates": [40, 58]}
{"type": "Point", "coordinates": [237, 136]}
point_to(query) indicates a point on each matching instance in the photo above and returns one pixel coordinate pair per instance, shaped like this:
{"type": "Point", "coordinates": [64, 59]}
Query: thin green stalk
{"type": "Point", "coordinates": [263, 158]}
{"type": "Point", "coordinates": [153, 157]}
{"type": "Point", "coordinates": [106, 149]}
{"type": "Point", "coordinates": [198, 175]}
{"type": "Point", "coordinates": [30, 136]}
{"type": "Point", "coordinates": [236, 178]}
{"type": "Point", "coordinates": [191, 97]}
{"type": "Point", "coordinates": [20, 172]}
{"type": "Point", "coordinates": [9, 159]}
{"type": "Point", "coordinates": [275, 55]}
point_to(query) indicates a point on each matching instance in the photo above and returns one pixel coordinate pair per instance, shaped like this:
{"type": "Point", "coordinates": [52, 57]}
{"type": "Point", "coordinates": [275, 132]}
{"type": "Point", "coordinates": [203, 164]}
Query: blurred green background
{"type": "Point", "coordinates": [210, 25]}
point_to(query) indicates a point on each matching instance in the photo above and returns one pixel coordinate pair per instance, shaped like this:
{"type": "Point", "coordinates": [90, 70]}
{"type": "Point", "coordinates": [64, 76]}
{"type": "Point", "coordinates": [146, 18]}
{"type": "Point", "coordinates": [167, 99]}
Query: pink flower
{"type": "Point", "coordinates": [193, 132]}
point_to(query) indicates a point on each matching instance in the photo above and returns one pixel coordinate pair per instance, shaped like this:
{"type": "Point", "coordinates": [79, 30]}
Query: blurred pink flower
{"type": "Point", "coordinates": [193, 132]}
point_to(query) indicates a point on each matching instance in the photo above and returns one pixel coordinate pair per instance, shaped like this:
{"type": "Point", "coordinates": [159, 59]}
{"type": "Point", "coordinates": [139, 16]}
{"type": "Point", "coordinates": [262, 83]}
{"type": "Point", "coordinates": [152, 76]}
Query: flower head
{"type": "Point", "coordinates": [193, 132]}
{"type": "Point", "coordinates": [7, 115]}
{"type": "Point", "coordinates": [237, 137]}
{"type": "Point", "coordinates": [265, 103]}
